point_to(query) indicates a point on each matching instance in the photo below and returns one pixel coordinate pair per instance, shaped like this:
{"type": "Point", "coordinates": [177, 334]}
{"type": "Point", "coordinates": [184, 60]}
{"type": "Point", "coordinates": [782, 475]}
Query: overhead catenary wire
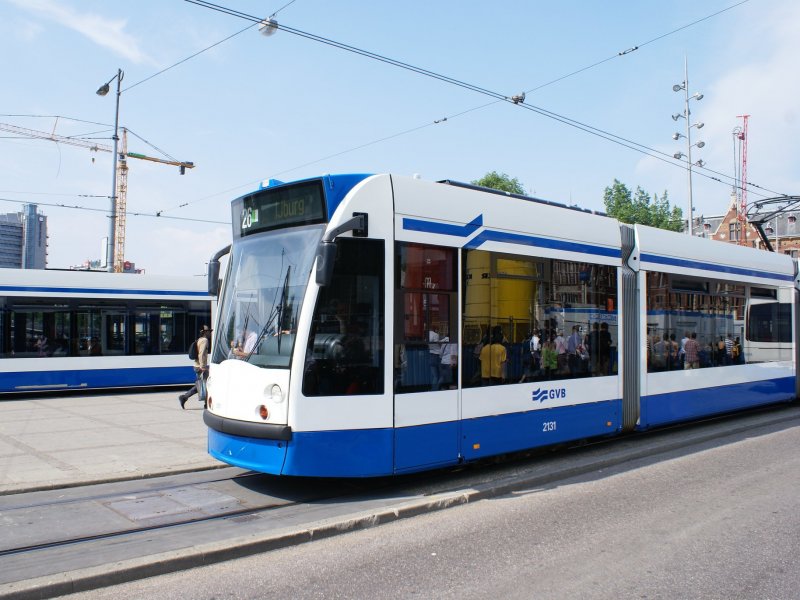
{"type": "Point", "coordinates": [54, 117]}
{"type": "Point", "coordinates": [105, 210]}
{"type": "Point", "coordinates": [498, 97]}
{"type": "Point", "coordinates": [206, 49]}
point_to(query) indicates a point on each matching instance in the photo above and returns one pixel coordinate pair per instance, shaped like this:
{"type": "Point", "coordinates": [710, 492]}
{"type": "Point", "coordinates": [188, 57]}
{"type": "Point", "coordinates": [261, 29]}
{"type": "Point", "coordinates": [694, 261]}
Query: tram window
{"type": "Point", "coordinates": [5, 330]}
{"type": "Point", "coordinates": [113, 341]}
{"type": "Point", "coordinates": [34, 329]}
{"type": "Point", "coordinates": [678, 309]}
{"type": "Point", "coordinates": [173, 339]}
{"type": "Point", "coordinates": [770, 322]}
{"type": "Point", "coordinates": [89, 331]}
{"type": "Point", "coordinates": [551, 319]}
{"type": "Point", "coordinates": [347, 359]}
{"type": "Point", "coordinates": [426, 318]}
{"type": "Point", "coordinates": [37, 332]}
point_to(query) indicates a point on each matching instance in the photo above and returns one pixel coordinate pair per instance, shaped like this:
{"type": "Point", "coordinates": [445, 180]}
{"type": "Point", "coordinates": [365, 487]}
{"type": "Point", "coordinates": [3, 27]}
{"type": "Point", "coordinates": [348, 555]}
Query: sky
{"type": "Point", "coordinates": [257, 107]}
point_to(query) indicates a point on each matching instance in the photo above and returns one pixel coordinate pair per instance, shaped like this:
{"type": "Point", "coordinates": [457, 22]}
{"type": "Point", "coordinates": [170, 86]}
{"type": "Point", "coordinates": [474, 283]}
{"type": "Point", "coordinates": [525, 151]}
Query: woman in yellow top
{"type": "Point", "coordinates": [493, 358]}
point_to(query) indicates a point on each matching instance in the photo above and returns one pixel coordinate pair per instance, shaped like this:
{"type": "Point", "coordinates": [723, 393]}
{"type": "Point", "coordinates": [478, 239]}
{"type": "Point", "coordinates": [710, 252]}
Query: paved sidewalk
{"type": "Point", "coordinates": [51, 442]}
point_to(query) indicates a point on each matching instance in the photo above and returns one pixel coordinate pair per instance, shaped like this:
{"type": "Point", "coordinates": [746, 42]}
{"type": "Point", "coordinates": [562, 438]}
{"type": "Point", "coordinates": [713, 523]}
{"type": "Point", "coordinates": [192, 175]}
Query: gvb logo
{"type": "Point", "coordinates": [541, 395]}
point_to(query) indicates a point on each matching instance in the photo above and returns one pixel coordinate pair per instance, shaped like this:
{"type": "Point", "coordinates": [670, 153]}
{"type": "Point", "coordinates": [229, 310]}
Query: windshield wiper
{"type": "Point", "coordinates": [282, 305]}
{"type": "Point", "coordinates": [275, 313]}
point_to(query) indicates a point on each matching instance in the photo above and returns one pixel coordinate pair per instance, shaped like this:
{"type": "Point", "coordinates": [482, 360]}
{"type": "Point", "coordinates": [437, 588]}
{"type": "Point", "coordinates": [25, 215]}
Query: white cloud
{"type": "Point", "coordinates": [105, 32]}
{"type": "Point", "coordinates": [28, 30]}
{"type": "Point", "coordinates": [758, 76]}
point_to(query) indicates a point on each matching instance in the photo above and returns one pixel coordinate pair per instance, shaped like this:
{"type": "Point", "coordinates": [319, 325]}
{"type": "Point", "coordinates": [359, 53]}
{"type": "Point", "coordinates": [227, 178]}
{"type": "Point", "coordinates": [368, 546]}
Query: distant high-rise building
{"type": "Point", "coordinates": [23, 239]}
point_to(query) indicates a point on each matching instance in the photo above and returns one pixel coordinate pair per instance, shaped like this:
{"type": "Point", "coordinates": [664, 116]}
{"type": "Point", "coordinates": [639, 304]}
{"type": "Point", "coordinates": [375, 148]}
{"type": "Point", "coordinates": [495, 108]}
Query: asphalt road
{"type": "Point", "coordinates": [716, 520]}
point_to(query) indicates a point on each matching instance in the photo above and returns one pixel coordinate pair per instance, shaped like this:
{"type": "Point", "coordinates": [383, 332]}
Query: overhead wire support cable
{"type": "Point", "coordinates": [103, 210]}
{"type": "Point", "coordinates": [207, 48]}
{"type": "Point", "coordinates": [498, 97]}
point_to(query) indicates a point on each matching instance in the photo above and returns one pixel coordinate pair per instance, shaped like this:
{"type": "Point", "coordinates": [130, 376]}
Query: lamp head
{"type": "Point", "coordinates": [103, 90]}
{"type": "Point", "coordinates": [676, 136]}
{"type": "Point", "coordinates": [700, 144]}
{"type": "Point", "coordinates": [678, 155]}
{"type": "Point", "coordinates": [698, 96]}
{"type": "Point", "coordinates": [677, 88]}
{"type": "Point", "coordinates": [268, 27]}
{"type": "Point", "coordinates": [699, 125]}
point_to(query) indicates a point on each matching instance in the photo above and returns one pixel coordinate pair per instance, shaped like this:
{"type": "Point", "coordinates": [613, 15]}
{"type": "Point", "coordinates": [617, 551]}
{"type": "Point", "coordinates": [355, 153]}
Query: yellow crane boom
{"type": "Point", "coordinates": [122, 174]}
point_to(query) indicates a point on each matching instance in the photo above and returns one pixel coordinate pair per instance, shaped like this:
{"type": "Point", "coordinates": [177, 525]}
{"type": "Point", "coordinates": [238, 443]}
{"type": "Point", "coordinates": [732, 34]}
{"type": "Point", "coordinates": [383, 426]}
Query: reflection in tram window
{"type": "Point", "coordinates": [555, 319]}
{"type": "Point", "coordinates": [426, 329]}
{"type": "Point", "coordinates": [345, 349]}
{"type": "Point", "coordinates": [49, 329]}
{"type": "Point", "coordinates": [733, 324]}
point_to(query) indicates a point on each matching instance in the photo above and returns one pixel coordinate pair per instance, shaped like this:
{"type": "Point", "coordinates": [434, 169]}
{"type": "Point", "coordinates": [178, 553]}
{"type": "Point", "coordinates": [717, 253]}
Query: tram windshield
{"type": "Point", "coordinates": [260, 306]}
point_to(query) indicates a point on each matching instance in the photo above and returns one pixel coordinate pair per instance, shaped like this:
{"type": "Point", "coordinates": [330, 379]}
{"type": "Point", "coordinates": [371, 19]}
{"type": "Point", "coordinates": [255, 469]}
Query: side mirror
{"type": "Point", "coordinates": [213, 271]}
{"type": "Point", "coordinates": [326, 257]}
{"type": "Point", "coordinates": [213, 278]}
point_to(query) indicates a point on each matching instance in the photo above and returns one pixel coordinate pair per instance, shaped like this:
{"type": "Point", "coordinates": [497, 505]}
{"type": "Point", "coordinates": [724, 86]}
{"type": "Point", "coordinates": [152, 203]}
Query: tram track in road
{"type": "Point", "coordinates": [35, 521]}
{"type": "Point", "coordinates": [239, 513]}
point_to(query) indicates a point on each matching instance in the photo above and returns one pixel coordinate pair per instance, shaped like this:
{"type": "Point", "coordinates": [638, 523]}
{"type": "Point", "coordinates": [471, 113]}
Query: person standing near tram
{"type": "Point", "coordinates": [200, 368]}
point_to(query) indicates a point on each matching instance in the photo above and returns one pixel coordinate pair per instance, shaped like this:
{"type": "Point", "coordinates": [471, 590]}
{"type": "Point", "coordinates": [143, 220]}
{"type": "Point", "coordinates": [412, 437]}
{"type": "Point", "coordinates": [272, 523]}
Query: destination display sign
{"type": "Point", "coordinates": [288, 206]}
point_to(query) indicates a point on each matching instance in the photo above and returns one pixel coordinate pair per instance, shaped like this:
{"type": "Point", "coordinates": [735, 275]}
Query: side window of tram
{"type": "Point", "coordinates": [345, 353]}
{"type": "Point", "coordinates": [426, 313]}
{"type": "Point", "coordinates": [694, 323]}
{"type": "Point", "coordinates": [36, 333]}
{"type": "Point", "coordinates": [529, 318]}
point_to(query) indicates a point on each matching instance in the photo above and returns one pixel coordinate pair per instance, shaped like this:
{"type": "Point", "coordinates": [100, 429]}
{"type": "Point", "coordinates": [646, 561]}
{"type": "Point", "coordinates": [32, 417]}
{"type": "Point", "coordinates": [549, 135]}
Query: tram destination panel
{"type": "Point", "coordinates": [301, 204]}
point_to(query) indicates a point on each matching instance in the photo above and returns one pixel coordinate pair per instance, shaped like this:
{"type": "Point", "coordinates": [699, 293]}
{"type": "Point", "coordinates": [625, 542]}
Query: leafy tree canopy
{"type": "Point", "coordinates": [500, 181]}
{"type": "Point", "coordinates": [639, 208]}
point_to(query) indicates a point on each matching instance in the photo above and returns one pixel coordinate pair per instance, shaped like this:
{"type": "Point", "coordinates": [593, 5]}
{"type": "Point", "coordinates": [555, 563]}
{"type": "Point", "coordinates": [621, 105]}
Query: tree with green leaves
{"type": "Point", "coordinates": [500, 181]}
{"type": "Point", "coordinates": [624, 206]}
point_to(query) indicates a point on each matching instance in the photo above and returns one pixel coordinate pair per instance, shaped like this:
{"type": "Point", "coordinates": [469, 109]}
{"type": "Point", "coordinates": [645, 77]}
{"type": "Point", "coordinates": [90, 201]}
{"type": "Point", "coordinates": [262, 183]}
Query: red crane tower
{"type": "Point", "coordinates": [742, 209]}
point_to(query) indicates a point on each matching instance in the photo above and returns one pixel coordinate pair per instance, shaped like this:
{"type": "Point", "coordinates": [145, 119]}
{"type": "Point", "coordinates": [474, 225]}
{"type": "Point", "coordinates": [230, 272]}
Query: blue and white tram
{"type": "Point", "coordinates": [63, 330]}
{"type": "Point", "coordinates": [374, 325]}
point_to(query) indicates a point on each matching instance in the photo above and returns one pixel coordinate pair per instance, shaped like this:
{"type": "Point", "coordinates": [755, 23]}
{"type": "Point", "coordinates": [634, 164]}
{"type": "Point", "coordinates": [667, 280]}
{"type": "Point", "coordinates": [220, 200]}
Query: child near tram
{"type": "Point", "coordinates": [200, 368]}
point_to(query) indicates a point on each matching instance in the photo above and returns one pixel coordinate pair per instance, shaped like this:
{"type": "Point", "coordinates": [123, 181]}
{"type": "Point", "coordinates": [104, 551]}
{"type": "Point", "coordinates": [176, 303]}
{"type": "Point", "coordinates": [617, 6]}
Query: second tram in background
{"type": "Point", "coordinates": [63, 330]}
{"type": "Point", "coordinates": [374, 325]}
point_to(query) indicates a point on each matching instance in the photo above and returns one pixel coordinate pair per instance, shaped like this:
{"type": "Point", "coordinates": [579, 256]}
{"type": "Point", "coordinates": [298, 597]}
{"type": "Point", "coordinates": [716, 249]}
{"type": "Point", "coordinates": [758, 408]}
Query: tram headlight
{"type": "Point", "coordinates": [275, 393]}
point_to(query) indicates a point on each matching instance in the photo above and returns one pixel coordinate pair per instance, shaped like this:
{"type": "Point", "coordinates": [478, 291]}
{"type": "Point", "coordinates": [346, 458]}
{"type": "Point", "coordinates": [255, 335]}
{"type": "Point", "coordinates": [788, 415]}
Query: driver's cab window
{"type": "Point", "coordinates": [345, 349]}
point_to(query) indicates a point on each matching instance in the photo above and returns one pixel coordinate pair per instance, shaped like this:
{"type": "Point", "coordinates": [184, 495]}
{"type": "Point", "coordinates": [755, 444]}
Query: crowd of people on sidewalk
{"type": "Point", "coordinates": [665, 353]}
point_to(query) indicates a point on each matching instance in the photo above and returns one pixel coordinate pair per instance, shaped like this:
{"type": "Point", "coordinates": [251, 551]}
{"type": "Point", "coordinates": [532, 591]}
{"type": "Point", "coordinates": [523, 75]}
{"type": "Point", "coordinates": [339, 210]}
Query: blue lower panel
{"type": "Point", "coordinates": [32, 381]}
{"type": "Point", "coordinates": [357, 453]}
{"type": "Point", "coordinates": [690, 404]}
{"type": "Point", "coordinates": [362, 453]}
{"type": "Point", "coordinates": [487, 436]}
{"type": "Point", "coordinates": [426, 446]}
{"type": "Point", "coordinates": [264, 456]}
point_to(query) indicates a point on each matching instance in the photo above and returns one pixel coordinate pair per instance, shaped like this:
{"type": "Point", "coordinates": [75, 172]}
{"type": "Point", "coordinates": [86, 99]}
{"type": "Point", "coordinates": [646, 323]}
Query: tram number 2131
{"type": "Point", "coordinates": [548, 426]}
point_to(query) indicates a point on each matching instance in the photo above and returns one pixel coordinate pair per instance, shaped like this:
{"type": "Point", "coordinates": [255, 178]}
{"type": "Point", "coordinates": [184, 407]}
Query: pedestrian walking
{"type": "Point", "coordinates": [200, 368]}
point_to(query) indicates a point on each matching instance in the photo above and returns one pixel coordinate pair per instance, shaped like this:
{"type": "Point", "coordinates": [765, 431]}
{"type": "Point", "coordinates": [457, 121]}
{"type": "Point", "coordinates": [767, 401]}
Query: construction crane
{"type": "Point", "coordinates": [122, 174]}
{"type": "Point", "coordinates": [741, 136]}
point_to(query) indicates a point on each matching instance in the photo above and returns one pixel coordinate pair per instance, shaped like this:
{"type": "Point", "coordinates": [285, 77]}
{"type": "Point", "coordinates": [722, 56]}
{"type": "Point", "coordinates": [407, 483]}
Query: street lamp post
{"type": "Point", "coordinates": [112, 223]}
{"type": "Point", "coordinates": [686, 115]}
{"type": "Point", "coordinates": [776, 233]}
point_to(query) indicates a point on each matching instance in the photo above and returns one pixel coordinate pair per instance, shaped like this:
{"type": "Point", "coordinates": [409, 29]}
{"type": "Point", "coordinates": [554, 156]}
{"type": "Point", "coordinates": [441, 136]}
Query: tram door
{"type": "Point", "coordinates": [426, 401]}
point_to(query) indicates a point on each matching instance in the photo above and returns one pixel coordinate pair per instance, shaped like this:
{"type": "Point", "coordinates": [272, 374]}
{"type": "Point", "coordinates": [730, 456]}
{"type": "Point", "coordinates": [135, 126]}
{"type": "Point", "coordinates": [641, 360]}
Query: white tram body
{"type": "Point", "coordinates": [64, 330]}
{"type": "Point", "coordinates": [412, 350]}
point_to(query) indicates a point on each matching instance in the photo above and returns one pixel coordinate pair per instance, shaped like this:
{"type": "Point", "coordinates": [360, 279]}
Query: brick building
{"type": "Point", "coordinates": [783, 231]}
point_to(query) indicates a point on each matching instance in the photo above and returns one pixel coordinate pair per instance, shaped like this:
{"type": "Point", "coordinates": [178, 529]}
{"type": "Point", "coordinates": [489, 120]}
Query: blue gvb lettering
{"type": "Point", "coordinates": [540, 395]}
